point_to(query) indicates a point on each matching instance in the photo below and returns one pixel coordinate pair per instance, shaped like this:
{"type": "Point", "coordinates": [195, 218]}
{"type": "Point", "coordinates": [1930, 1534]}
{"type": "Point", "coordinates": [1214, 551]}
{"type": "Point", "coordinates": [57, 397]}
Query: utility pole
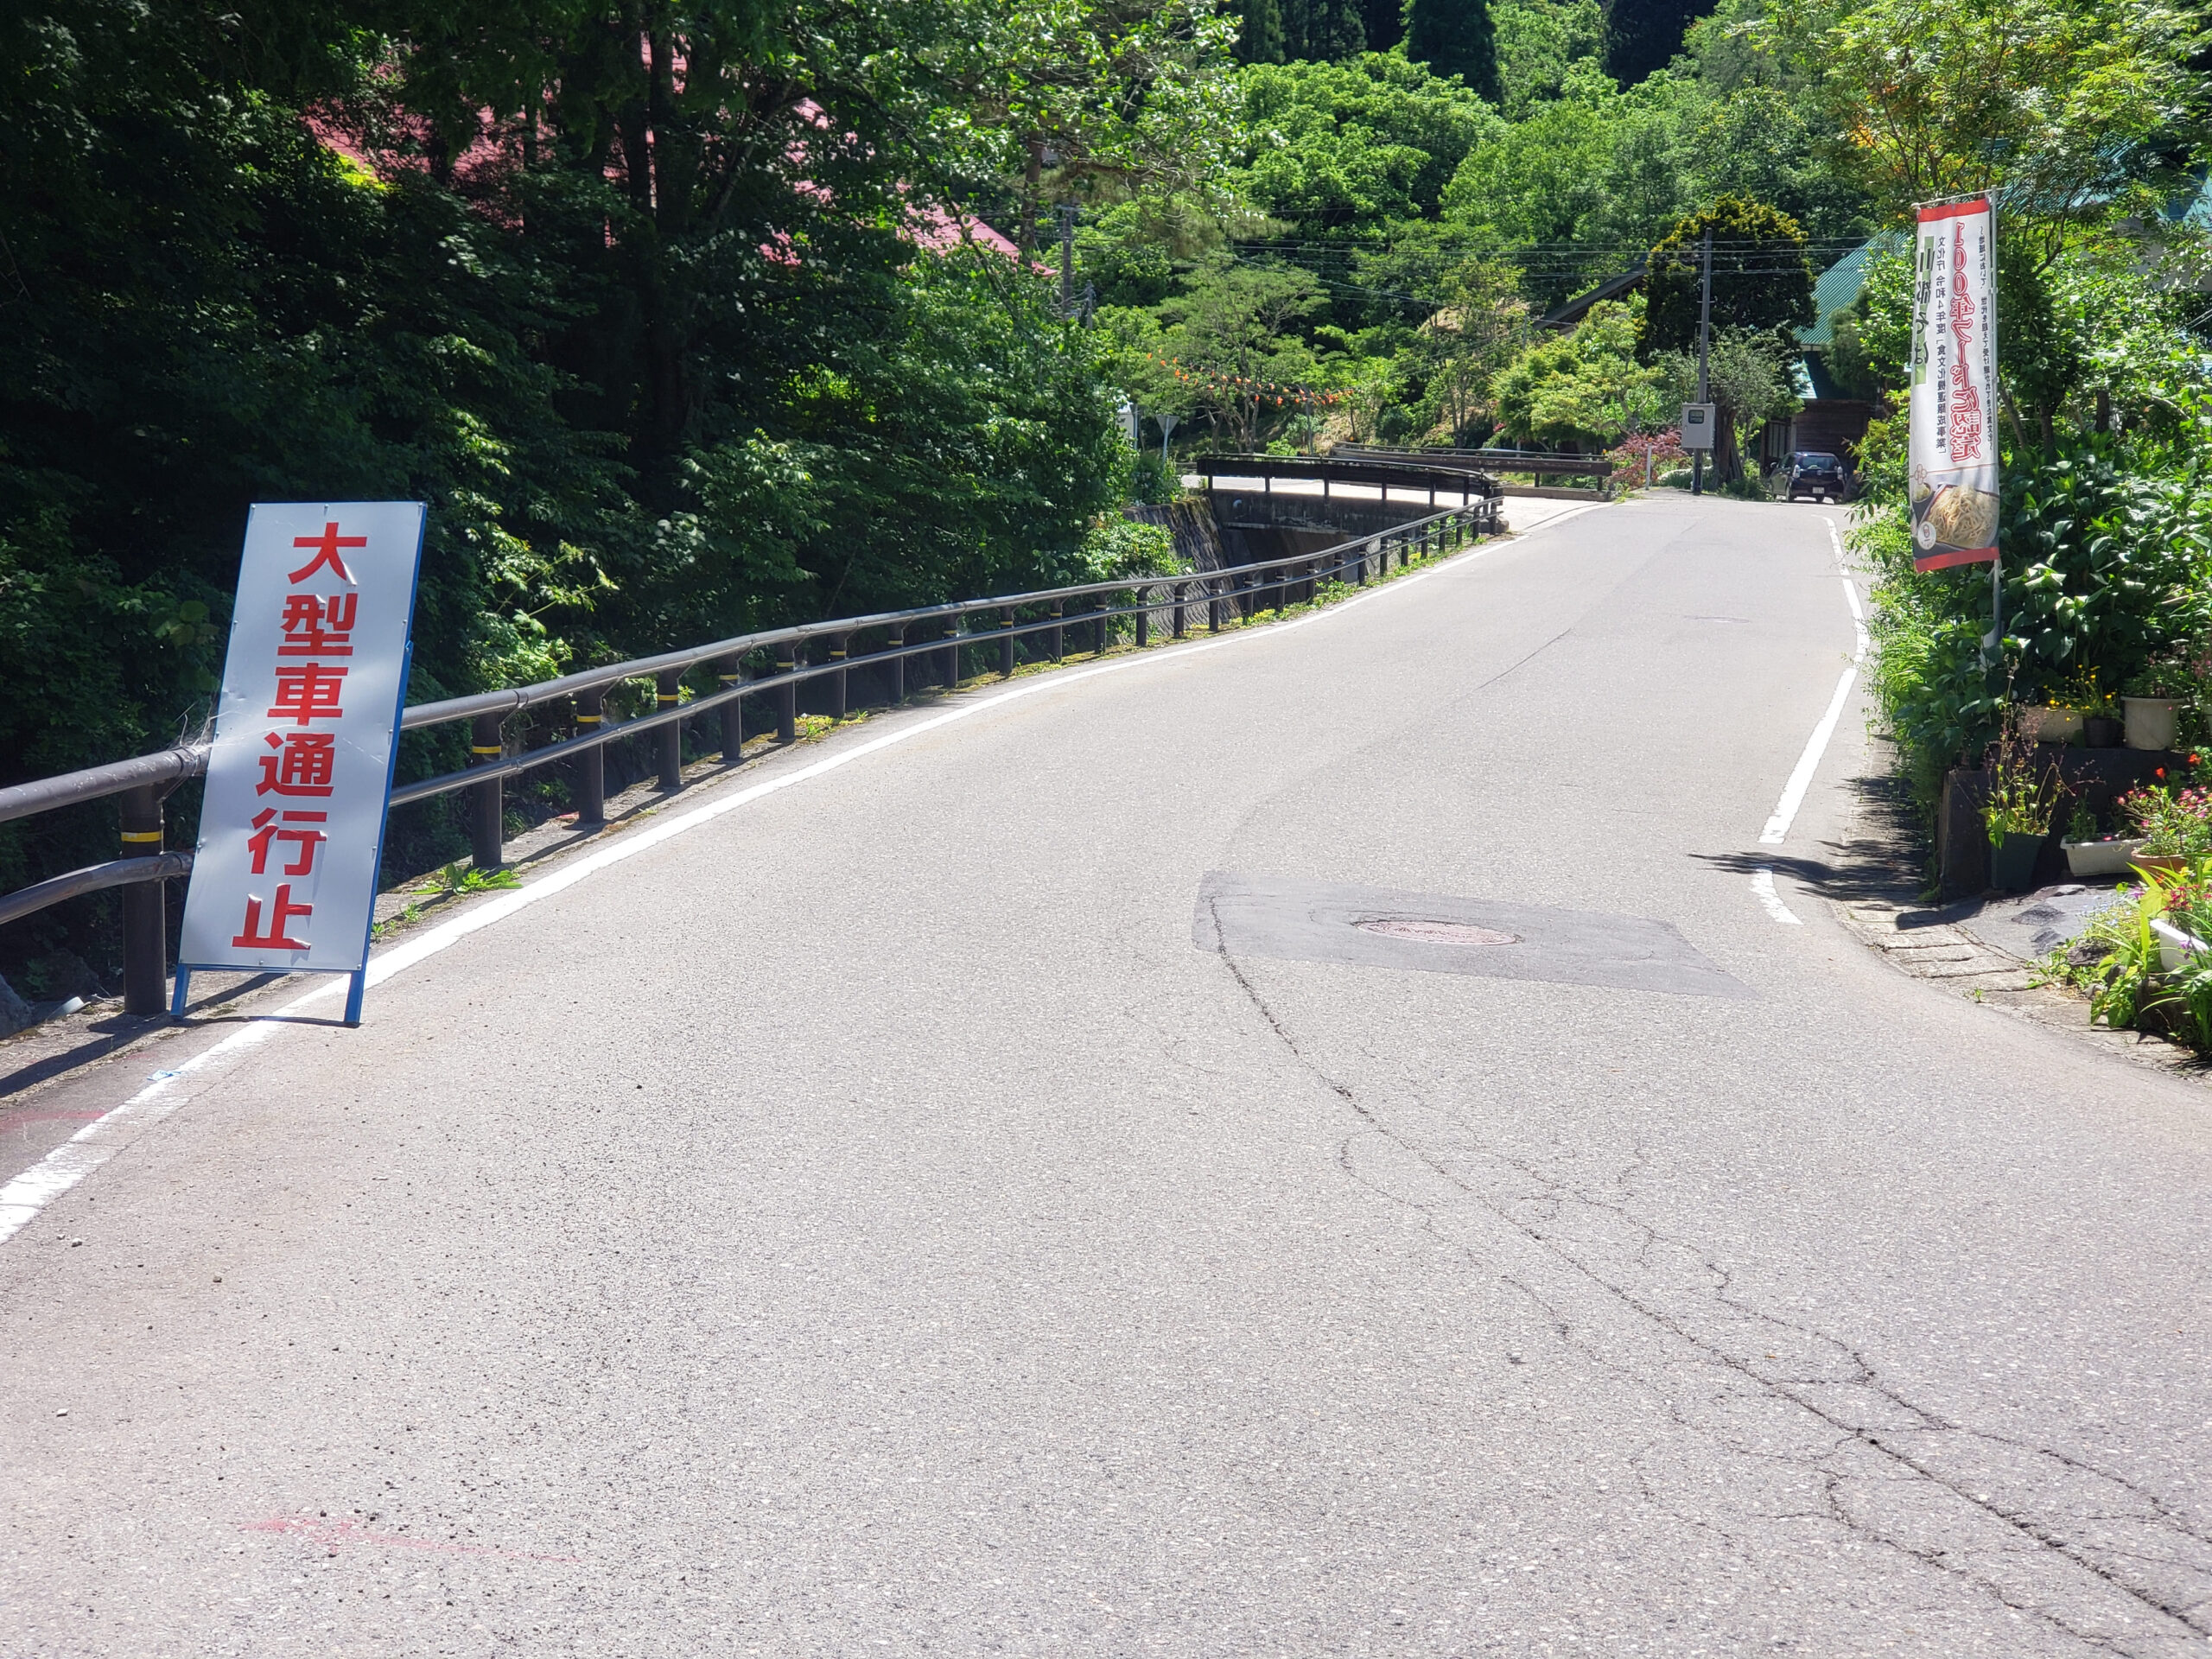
{"type": "Point", "coordinates": [1067, 212]}
{"type": "Point", "coordinates": [1704, 353]}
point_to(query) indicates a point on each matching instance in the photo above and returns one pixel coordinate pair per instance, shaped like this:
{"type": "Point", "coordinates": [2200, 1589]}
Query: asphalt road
{"type": "Point", "coordinates": [894, 1215]}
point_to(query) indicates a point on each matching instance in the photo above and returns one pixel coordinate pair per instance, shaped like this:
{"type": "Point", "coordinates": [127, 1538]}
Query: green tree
{"type": "Point", "coordinates": [1385, 21]}
{"type": "Point", "coordinates": [1351, 147]}
{"type": "Point", "coordinates": [1761, 278]}
{"type": "Point", "coordinates": [1236, 329]}
{"type": "Point", "coordinates": [1538, 41]}
{"type": "Point", "coordinates": [1642, 37]}
{"type": "Point", "coordinates": [1457, 353]}
{"type": "Point", "coordinates": [1455, 38]}
{"type": "Point", "coordinates": [1590, 178]}
{"type": "Point", "coordinates": [2066, 104]}
{"type": "Point", "coordinates": [1586, 388]}
{"type": "Point", "coordinates": [1748, 379]}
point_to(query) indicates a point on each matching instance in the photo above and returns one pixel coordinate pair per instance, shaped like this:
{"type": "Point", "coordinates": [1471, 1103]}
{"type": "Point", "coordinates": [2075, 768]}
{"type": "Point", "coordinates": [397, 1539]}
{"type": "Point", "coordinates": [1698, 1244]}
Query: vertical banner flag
{"type": "Point", "coordinates": [285, 873]}
{"type": "Point", "coordinates": [1954, 402]}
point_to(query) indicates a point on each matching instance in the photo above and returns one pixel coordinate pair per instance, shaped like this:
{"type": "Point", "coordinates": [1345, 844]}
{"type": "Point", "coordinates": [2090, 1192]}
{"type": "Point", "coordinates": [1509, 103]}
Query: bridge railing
{"type": "Point", "coordinates": [1496, 461]}
{"type": "Point", "coordinates": [1465, 479]}
{"type": "Point", "coordinates": [769, 665]}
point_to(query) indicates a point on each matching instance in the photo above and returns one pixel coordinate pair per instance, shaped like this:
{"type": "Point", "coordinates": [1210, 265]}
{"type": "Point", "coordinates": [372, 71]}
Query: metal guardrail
{"type": "Point", "coordinates": [144, 782]}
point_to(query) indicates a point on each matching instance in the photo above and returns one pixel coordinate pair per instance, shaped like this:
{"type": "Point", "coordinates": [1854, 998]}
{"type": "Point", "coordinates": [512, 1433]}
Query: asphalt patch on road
{"type": "Point", "coordinates": [1300, 920]}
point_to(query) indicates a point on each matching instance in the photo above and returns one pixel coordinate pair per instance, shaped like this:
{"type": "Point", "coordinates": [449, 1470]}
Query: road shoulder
{"type": "Point", "coordinates": [1967, 949]}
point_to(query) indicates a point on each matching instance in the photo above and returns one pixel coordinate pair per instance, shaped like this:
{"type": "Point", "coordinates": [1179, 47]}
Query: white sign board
{"type": "Point", "coordinates": [1697, 426]}
{"type": "Point", "coordinates": [1953, 448]}
{"type": "Point", "coordinates": [285, 872]}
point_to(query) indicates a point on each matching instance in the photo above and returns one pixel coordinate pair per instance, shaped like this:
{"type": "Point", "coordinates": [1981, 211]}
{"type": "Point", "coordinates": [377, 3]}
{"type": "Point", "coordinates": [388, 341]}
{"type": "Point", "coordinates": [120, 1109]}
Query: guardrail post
{"type": "Point", "coordinates": [1182, 593]}
{"type": "Point", "coordinates": [1006, 641]}
{"type": "Point", "coordinates": [1144, 621]}
{"type": "Point", "coordinates": [786, 694]}
{"type": "Point", "coordinates": [487, 813]}
{"type": "Point", "coordinates": [837, 691]}
{"type": "Point", "coordinates": [730, 675]}
{"type": "Point", "coordinates": [1105, 606]}
{"type": "Point", "coordinates": [671, 695]}
{"type": "Point", "coordinates": [1359, 565]}
{"type": "Point", "coordinates": [1058, 635]}
{"type": "Point", "coordinates": [145, 932]}
{"type": "Point", "coordinates": [591, 765]}
{"type": "Point", "coordinates": [952, 653]}
{"type": "Point", "coordinates": [898, 649]}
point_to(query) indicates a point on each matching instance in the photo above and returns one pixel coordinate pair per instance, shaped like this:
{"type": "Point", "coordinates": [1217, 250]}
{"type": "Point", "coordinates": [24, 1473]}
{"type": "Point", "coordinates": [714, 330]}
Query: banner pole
{"type": "Point", "coordinates": [1704, 350]}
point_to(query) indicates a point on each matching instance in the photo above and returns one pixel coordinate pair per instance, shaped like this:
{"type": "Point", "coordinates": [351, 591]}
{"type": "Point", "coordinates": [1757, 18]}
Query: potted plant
{"type": "Point", "coordinates": [2176, 826]}
{"type": "Point", "coordinates": [2017, 814]}
{"type": "Point", "coordinates": [2181, 919]}
{"type": "Point", "coordinates": [2050, 722]}
{"type": "Point", "coordinates": [2101, 727]}
{"type": "Point", "coordinates": [2152, 703]}
{"type": "Point", "coordinates": [2091, 851]}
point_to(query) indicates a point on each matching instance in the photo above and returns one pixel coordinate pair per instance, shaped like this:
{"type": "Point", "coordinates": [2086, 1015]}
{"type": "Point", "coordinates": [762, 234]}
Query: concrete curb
{"type": "Point", "coordinates": [1949, 954]}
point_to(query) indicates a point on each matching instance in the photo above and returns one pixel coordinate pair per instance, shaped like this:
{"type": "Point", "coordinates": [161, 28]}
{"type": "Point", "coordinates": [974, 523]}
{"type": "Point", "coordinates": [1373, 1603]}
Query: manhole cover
{"type": "Point", "coordinates": [1293, 919]}
{"type": "Point", "coordinates": [1429, 932]}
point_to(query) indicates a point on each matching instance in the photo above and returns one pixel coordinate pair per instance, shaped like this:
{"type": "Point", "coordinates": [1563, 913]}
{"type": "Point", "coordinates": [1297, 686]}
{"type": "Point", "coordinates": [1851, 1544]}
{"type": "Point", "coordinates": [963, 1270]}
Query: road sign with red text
{"type": "Point", "coordinates": [284, 874]}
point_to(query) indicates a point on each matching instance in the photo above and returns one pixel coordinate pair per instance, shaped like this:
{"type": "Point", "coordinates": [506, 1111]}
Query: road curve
{"type": "Point", "coordinates": [990, 1196]}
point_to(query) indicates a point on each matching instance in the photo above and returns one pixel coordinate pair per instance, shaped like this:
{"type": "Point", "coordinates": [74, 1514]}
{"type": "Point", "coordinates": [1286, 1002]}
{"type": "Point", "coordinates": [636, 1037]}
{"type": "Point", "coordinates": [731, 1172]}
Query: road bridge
{"type": "Point", "coordinates": [1362, 1135]}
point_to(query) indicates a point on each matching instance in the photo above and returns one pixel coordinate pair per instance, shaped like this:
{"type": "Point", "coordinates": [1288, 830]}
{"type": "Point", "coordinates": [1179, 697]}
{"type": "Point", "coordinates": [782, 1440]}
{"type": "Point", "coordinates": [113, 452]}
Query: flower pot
{"type": "Point", "coordinates": [2012, 860]}
{"type": "Point", "coordinates": [2150, 721]}
{"type": "Point", "coordinates": [2041, 725]}
{"type": "Point", "coordinates": [2101, 857]}
{"type": "Point", "coordinates": [2101, 731]}
{"type": "Point", "coordinates": [2174, 947]}
{"type": "Point", "coordinates": [2162, 863]}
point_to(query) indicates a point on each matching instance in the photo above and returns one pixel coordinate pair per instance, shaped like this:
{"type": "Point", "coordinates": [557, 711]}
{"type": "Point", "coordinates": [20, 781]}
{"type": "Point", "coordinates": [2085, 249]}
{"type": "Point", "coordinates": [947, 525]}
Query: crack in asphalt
{"type": "Point", "coordinates": [1720, 1290]}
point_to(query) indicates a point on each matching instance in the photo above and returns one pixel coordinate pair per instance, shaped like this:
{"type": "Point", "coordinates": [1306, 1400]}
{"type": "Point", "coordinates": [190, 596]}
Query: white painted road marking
{"type": "Point", "coordinates": [22, 1198]}
{"type": "Point", "coordinates": [1763, 887]}
{"type": "Point", "coordinates": [1793, 792]}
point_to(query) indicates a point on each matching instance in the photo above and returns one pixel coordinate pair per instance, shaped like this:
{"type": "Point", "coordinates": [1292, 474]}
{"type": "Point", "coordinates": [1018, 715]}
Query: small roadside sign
{"type": "Point", "coordinates": [306, 727]}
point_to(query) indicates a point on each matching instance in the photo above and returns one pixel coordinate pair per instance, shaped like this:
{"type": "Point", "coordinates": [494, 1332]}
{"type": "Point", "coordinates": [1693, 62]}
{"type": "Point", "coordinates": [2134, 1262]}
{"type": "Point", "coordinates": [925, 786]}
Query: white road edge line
{"type": "Point", "coordinates": [22, 1198]}
{"type": "Point", "coordinates": [1763, 889]}
{"type": "Point", "coordinates": [1801, 779]}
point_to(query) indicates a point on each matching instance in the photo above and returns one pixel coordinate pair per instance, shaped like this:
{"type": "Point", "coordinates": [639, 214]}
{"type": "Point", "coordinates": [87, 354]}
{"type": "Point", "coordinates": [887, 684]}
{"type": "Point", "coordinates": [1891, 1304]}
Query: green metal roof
{"type": "Point", "coordinates": [1841, 283]}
